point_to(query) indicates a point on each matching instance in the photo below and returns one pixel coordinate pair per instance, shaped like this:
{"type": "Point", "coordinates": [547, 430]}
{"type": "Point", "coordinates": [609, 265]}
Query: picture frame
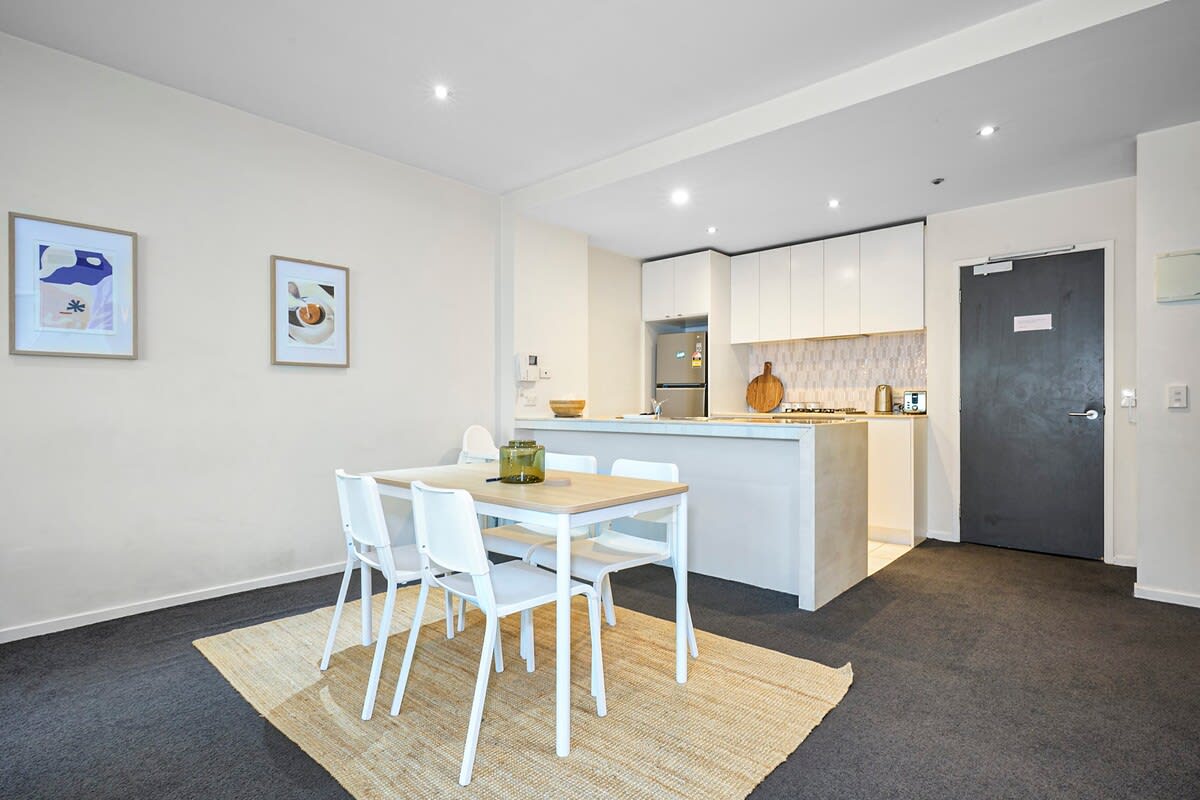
{"type": "Point", "coordinates": [310, 313]}
{"type": "Point", "coordinates": [72, 289]}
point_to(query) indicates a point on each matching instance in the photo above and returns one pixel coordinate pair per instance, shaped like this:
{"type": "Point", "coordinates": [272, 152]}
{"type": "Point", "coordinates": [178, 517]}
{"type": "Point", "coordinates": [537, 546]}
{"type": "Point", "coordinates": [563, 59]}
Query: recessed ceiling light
{"type": "Point", "coordinates": [712, 228]}
{"type": "Point", "coordinates": [987, 130]}
{"type": "Point", "coordinates": [680, 197]}
{"type": "Point", "coordinates": [834, 202]}
{"type": "Point", "coordinates": [938, 181]}
{"type": "Point", "coordinates": [441, 91]}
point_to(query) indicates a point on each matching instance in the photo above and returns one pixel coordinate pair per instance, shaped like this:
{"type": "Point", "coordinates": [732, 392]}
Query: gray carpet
{"type": "Point", "coordinates": [978, 672]}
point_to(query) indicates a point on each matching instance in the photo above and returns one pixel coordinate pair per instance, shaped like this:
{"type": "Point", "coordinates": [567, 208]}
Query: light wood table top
{"type": "Point", "coordinates": [586, 493]}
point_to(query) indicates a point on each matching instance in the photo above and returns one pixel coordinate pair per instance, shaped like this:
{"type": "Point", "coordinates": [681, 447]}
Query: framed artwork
{"type": "Point", "coordinates": [310, 313]}
{"type": "Point", "coordinates": [72, 289]}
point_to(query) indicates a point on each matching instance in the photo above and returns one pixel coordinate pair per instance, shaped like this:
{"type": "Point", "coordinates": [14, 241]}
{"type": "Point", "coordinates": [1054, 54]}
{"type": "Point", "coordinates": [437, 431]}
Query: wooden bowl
{"type": "Point", "coordinates": [567, 408]}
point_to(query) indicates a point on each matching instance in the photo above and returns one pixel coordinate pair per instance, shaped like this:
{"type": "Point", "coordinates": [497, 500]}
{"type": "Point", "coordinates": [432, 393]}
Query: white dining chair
{"type": "Point", "coordinates": [478, 446]}
{"type": "Point", "coordinates": [595, 559]}
{"type": "Point", "coordinates": [519, 539]}
{"type": "Point", "coordinates": [368, 547]}
{"type": "Point", "coordinates": [448, 540]}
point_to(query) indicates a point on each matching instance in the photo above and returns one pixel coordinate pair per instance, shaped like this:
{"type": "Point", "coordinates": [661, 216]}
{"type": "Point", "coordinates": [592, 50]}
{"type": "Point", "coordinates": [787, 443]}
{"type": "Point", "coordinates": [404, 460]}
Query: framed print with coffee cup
{"type": "Point", "coordinates": [72, 289]}
{"type": "Point", "coordinates": [310, 313]}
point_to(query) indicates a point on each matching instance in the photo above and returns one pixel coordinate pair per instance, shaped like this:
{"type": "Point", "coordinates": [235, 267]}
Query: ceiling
{"type": "Point", "coordinates": [544, 88]}
{"type": "Point", "coordinates": [1067, 114]}
{"type": "Point", "coordinates": [539, 87]}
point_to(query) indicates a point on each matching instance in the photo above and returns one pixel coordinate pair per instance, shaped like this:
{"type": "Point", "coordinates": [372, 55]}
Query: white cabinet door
{"type": "Point", "coordinates": [890, 488]}
{"type": "Point", "coordinates": [658, 289]}
{"type": "Point", "coordinates": [841, 286]}
{"type": "Point", "coordinates": [808, 291]}
{"type": "Point", "coordinates": [774, 294]}
{"type": "Point", "coordinates": [692, 276]}
{"type": "Point", "coordinates": [892, 279]}
{"type": "Point", "coordinates": [743, 298]}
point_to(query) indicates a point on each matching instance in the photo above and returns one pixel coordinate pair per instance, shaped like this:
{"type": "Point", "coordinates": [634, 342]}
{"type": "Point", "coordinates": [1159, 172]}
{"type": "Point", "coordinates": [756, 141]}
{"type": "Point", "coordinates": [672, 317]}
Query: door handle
{"type": "Point", "coordinates": [1091, 413]}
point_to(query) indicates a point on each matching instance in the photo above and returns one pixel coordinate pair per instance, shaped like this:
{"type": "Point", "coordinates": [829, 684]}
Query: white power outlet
{"type": "Point", "coordinates": [528, 398]}
{"type": "Point", "coordinates": [1177, 395]}
{"type": "Point", "coordinates": [545, 373]}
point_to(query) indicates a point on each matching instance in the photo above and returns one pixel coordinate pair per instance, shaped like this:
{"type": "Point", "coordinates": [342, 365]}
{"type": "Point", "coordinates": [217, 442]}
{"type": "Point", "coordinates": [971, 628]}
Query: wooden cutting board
{"type": "Point", "coordinates": [764, 392]}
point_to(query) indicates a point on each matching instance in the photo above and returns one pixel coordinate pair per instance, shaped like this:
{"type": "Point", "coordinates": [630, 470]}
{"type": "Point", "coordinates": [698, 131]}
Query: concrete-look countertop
{"type": "Point", "coordinates": [791, 429]}
{"type": "Point", "coordinates": [806, 417]}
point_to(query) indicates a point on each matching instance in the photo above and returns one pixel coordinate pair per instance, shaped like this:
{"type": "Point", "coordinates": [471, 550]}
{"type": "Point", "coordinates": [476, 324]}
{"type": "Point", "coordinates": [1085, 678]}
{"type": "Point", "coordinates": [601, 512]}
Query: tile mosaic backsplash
{"type": "Point", "coordinates": [843, 373]}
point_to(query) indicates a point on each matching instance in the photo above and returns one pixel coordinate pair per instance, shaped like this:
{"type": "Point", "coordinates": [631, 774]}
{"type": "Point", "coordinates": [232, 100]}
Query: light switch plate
{"type": "Point", "coordinates": [1177, 395]}
{"type": "Point", "coordinates": [545, 373]}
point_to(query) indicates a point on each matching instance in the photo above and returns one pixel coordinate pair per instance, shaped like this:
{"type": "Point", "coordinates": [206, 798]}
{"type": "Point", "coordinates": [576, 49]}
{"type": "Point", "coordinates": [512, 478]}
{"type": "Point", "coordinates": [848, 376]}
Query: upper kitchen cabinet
{"type": "Point", "coordinates": [676, 287]}
{"type": "Point", "coordinates": [842, 280]}
{"type": "Point", "coordinates": [774, 294]}
{"type": "Point", "coordinates": [808, 290]}
{"type": "Point", "coordinates": [892, 279]}
{"type": "Point", "coordinates": [743, 298]}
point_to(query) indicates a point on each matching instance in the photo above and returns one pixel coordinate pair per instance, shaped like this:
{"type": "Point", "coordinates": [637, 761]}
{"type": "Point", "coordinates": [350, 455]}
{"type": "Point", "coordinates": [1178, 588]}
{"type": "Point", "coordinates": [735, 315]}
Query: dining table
{"type": "Point", "coordinates": [565, 500]}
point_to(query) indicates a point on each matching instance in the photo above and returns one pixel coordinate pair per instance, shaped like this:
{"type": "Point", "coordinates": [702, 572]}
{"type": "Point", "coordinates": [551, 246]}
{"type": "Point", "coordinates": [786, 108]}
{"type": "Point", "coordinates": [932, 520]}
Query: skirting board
{"type": "Point", "coordinates": [1166, 595]}
{"type": "Point", "coordinates": [1124, 561]}
{"type": "Point", "coordinates": [942, 536]}
{"type": "Point", "coordinates": [113, 612]}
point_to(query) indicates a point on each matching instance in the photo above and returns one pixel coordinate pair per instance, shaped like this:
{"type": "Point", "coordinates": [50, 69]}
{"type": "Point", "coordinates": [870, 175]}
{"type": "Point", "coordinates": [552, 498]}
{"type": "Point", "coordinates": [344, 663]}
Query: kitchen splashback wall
{"type": "Point", "coordinates": [841, 373]}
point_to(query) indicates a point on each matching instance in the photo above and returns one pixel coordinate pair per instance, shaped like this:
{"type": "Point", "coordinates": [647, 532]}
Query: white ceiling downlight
{"type": "Point", "coordinates": [712, 229]}
{"type": "Point", "coordinates": [441, 92]}
{"type": "Point", "coordinates": [986, 131]}
{"type": "Point", "coordinates": [834, 202]}
{"type": "Point", "coordinates": [680, 197]}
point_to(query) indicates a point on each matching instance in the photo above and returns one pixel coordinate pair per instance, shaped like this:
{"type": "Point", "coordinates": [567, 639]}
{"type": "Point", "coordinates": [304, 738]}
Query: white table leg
{"type": "Point", "coordinates": [562, 658]}
{"type": "Point", "coordinates": [681, 607]}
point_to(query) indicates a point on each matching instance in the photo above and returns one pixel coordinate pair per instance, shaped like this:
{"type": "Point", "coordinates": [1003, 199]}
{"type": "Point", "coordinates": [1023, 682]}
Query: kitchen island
{"type": "Point", "coordinates": [776, 504]}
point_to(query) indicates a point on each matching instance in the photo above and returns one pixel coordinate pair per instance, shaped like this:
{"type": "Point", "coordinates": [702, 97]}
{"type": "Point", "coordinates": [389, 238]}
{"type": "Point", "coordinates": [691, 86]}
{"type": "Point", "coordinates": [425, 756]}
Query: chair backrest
{"type": "Point", "coordinates": [571, 463]}
{"type": "Point", "coordinates": [477, 446]}
{"type": "Point", "coordinates": [649, 524]}
{"type": "Point", "coordinates": [362, 520]}
{"type": "Point", "coordinates": [648, 470]}
{"type": "Point", "coordinates": [447, 530]}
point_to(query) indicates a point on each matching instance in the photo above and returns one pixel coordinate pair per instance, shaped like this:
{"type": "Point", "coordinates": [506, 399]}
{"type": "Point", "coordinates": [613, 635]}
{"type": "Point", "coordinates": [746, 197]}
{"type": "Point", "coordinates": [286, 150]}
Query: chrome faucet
{"type": "Point", "coordinates": [656, 407]}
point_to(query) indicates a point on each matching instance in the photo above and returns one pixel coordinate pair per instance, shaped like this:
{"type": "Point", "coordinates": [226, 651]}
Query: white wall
{"type": "Point", "coordinates": [614, 334]}
{"type": "Point", "coordinates": [1085, 214]}
{"type": "Point", "coordinates": [200, 464]}
{"type": "Point", "coordinates": [550, 309]}
{"type": "Point", "coordinates": [1168, 351]}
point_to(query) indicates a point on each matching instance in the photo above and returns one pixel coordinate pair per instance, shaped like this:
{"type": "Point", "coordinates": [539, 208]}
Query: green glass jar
{"type": "Point", "coordinates": [522, 461]}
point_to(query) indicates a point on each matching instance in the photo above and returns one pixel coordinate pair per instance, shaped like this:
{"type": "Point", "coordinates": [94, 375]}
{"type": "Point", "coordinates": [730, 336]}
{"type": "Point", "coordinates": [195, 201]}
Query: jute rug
{"type": "Point", "coordinates": [743, 710]}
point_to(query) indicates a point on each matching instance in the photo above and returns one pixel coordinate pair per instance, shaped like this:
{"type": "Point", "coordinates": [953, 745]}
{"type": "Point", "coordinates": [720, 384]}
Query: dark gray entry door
{"type": "Point", "coordinates": [1032, 461]}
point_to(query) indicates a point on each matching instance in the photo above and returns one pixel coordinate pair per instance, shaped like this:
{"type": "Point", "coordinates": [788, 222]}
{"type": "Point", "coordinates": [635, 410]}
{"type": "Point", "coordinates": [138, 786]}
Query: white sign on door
{"type": "Point", "coordinates": [1033, 322]}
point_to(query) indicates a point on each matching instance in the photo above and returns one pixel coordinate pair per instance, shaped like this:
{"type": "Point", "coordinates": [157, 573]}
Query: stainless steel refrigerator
{"type": "Point", "coordinates": [681, 374]}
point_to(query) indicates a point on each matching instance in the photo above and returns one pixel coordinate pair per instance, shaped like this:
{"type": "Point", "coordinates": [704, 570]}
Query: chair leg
{"type": "Point", "coordinates": [604, 589]}
{"type": "Point", "coordinates": [527, 638]}
{"type": "Point", "coordinates": [413, 633]}
{"type": "Point", "coordinates": [365, 583]}
{"type": "Point", "coordinates": [462, 614]}
{"type": "Point", "coordinates": [597, 658]}
{"type": "Point", "coordinates": [449, 616]}
{"type": "Point", "coordinates": [692, 635]}
{"type": "Point", "coordinates": [499, 648]}
{"type": "Point", "coordinates": [491, 635]}
{"type": "Point", "coordinates": [385, 623]}
{"type": "Point", "coordinates": [337, 613]}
